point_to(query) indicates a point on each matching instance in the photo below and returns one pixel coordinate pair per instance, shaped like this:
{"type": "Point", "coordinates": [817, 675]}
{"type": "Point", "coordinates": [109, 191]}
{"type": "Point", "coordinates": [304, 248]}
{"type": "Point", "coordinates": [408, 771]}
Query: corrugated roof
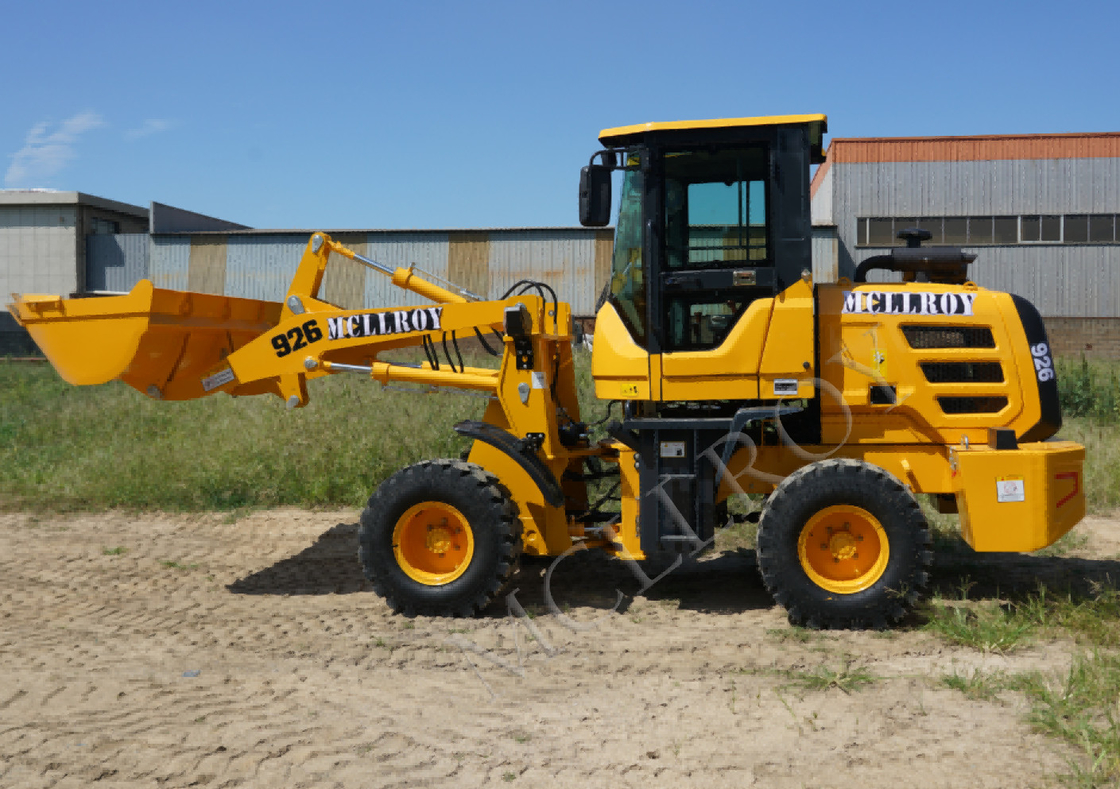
{"type": "Point", "coordinates": [980, 148]}
{"type": "Point", "coordinates": [53, 197]}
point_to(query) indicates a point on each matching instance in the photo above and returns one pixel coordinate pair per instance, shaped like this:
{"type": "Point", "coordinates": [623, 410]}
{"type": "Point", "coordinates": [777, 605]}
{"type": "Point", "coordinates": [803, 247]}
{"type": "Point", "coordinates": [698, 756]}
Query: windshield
{"type": "Point", "coordinates": [628, 282]}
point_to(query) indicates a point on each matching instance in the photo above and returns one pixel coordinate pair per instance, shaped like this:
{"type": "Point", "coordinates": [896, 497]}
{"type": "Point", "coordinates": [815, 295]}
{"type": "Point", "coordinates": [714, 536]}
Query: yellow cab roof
{"type": "Point", "coordinates": [621, 133]}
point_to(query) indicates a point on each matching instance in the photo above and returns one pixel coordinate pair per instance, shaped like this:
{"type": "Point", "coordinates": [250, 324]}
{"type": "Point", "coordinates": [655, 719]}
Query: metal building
{"type": "Point", "coordinates": [260, 264]}
{"type": "Point", "coordinates": [69, 243]}
{"type": "Point", "coordinates": [1039, 211]}
{"type": "Point", "coordinates": [43, 235]}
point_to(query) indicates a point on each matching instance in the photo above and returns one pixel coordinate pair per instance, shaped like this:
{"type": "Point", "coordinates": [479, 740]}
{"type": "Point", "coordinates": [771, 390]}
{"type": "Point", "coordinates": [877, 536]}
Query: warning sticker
{"type": "Point", "coordinates": [538, 380]}
{"type": "Point", "coordinates": [1010, 489]}
{"type": "Point", "coordinates": [218, 379]}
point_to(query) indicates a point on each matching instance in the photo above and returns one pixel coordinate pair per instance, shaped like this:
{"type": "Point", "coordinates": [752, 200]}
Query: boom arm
{"type": "Point", "coordinates": [314, 337]}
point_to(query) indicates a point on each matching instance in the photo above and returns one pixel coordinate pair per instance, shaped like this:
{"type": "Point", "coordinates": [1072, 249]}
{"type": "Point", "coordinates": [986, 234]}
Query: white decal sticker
{"type": "Point", "coordinates": [374, 324]}
{"type": "Point", "coordinates": [877, 302]}
{"type": "Point", "coordinates": [218, 379]}
{"type": "Point", "coordinates": [1043, 364]}
{"type": "Point", "coordinates": [538, 380]}
{"type": "Point", "coordinates": [672, 449]}
{"type": "Point", "coordinates": [1010, 489]}
{"type": "Point", "coordinates": [785, 387]}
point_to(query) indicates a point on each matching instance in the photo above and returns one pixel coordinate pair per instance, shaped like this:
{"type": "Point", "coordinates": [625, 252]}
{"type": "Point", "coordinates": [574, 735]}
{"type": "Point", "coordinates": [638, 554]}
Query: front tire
{"type": "Point", "coordinates": [843, 543]}
{"type": "Point", "coordinates": [440, 538]}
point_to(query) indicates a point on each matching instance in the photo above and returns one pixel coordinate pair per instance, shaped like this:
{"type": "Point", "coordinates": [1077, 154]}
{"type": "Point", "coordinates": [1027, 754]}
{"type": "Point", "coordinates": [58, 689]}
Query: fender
{"type": "Point", "coordinates": [522, 450]}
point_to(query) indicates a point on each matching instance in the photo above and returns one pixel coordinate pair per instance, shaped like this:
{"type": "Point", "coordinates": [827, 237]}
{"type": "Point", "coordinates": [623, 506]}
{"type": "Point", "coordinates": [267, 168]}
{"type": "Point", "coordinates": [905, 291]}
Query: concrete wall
{"type": "Point", "coordinates": [38, 249]}
{"type": "Point", "coordinates": [42, 237]}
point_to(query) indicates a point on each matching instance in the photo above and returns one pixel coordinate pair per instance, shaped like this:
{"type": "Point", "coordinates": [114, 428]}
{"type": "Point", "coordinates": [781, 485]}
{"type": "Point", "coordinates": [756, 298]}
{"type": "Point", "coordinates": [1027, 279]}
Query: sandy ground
{"type": "Point", "coordinates": [214, 652]}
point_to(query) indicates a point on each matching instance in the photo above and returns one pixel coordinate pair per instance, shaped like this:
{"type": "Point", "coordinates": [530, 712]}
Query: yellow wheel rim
{"type": "Point", "coordinates": [843, 549]}
{"type": "Point", "coordinates": [433, 543]}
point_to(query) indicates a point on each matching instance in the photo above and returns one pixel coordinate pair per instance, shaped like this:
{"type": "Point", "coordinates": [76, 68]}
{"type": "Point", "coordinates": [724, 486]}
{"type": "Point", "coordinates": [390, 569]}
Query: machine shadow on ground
{"type": "Point", "coordinates": [726, 582]}
{"type": "Point", "coordinates": [960, 573]}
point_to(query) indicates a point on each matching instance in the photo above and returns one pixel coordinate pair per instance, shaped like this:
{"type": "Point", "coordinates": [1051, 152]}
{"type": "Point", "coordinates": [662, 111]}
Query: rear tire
{"type": "Point", "coordinates": [440, 538]}
{"type": "Point", "coordinates": [842, 543]}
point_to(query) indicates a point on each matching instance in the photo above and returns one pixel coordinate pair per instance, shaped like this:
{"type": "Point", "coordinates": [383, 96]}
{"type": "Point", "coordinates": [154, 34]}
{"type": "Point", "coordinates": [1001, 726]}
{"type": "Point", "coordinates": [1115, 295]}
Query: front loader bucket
{"type": "Point", "coordinates": [161, 342]}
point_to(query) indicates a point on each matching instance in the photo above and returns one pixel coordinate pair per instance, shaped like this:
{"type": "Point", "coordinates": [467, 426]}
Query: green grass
{"type": "Point", "coordinates": [1089, 388]}
{"type": "Point", "coordinates": [95, 447]}
{"type": "Point", "coordinates": [1102, 460]}
{"type": "Point", "coordinates": [65, 447]}
{"type": "Point", "coordinates": [1002, 626]}
{"type": "Point", "coordinates": [1081, 706]}
{"type": "Point", "coordinates": [846, 679]}
{"type": "Point", "coordinates": [988, 627]}
{"type": "Point", "coordinates": [1082, 709]}
{"type": "Point", "coordinates": [981, 685]}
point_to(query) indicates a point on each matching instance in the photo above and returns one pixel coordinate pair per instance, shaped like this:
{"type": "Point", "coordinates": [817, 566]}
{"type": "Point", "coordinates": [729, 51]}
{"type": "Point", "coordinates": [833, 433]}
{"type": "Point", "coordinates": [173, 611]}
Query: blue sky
{"type": "Point", "coordinates": [440, 114]}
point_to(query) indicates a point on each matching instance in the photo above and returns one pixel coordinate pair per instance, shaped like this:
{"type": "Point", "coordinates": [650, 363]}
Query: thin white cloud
{"type": "Point", "coordinates": [47, 150]}
{"type": "Point", "coordinates": [150, 126]}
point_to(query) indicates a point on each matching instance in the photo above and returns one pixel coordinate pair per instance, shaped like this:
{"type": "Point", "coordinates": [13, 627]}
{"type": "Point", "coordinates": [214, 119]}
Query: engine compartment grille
{"type": "Point", "coordinates": [963, 372]}
{"type": "Point", "coordinates": [972, 405]}
{"type": "Point", "coordinates": [949, 336]}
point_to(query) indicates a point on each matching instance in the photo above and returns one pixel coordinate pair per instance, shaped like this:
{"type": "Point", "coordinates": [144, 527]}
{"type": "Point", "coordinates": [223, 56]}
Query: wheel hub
{"type": "Point", "coordinates": [433, 543]}
{"type": "Point", "coordinates": [843, 549]}
{"type": "Point", "coordinates": [439, 538]}
{"type": "Point", "coordinates": [842, 545]}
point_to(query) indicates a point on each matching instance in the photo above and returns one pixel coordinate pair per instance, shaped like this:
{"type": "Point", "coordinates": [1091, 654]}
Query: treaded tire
{"type": "Point", "coordinates": [494, 524]}
{"type": "Point", "coordinates": [844, 483]}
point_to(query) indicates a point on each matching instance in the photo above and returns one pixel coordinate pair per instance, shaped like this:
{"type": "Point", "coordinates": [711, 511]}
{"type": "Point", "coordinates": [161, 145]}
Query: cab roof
{"type": "Point", "coordinates": [623, 135]}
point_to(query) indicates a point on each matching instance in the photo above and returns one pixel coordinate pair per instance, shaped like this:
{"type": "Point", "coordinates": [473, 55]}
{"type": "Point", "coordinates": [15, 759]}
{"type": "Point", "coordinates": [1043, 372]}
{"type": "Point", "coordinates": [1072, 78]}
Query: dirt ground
{"type": "Point", "coordinates": [171, 650]}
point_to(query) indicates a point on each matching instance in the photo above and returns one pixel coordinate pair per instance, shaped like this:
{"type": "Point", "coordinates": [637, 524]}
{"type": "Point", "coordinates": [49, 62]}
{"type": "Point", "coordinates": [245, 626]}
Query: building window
{"type": "Point", "coordinates": [979, 231]}
{"type": "Point", "coordinates": [104, 227]}
{"type": "Point", "coordinates": [1035, 229]}
{"type": "Point", "coordinates": [1102, 228]}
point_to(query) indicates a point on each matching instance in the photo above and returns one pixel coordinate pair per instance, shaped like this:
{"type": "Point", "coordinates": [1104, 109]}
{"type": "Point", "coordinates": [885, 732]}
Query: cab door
{"type": "Point", "coordinates": [717, 277]}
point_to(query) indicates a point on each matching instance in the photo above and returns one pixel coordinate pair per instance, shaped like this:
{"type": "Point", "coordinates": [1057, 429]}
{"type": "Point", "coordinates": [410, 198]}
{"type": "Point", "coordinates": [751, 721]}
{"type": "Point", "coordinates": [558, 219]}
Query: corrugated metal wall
{"type": "Point", "coordinates": [1019, 186]}
{"type": "Point", "coordinates": [826, 247]}
{"type": "Point", "coordinates": [116, 262]}
{"type": "Point", "coordinates": [574, 261]}
{"type": "Point", "coordinates": [261, 266]}
{"type": "Point", "coordinates": [1061, 280]}
{"type": "Point", "coordinates": [428, 251]}
{"type": "Point", "coordinates": [169, 261]}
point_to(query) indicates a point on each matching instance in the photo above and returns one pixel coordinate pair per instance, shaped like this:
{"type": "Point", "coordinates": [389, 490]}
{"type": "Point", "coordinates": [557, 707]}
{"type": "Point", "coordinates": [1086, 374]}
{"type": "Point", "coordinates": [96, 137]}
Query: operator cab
{"type": "Point", "coordinates": [714, 216]}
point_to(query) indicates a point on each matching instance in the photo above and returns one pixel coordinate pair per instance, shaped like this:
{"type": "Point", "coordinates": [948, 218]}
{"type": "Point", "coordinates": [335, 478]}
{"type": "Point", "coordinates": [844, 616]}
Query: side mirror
{"type": "Point", "coordinates": [595, 195]}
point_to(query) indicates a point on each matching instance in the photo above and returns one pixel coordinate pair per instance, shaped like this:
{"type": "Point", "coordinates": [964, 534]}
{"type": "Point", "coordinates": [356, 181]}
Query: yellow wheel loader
{"type": "Point", "coordinates": [832, 405]}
